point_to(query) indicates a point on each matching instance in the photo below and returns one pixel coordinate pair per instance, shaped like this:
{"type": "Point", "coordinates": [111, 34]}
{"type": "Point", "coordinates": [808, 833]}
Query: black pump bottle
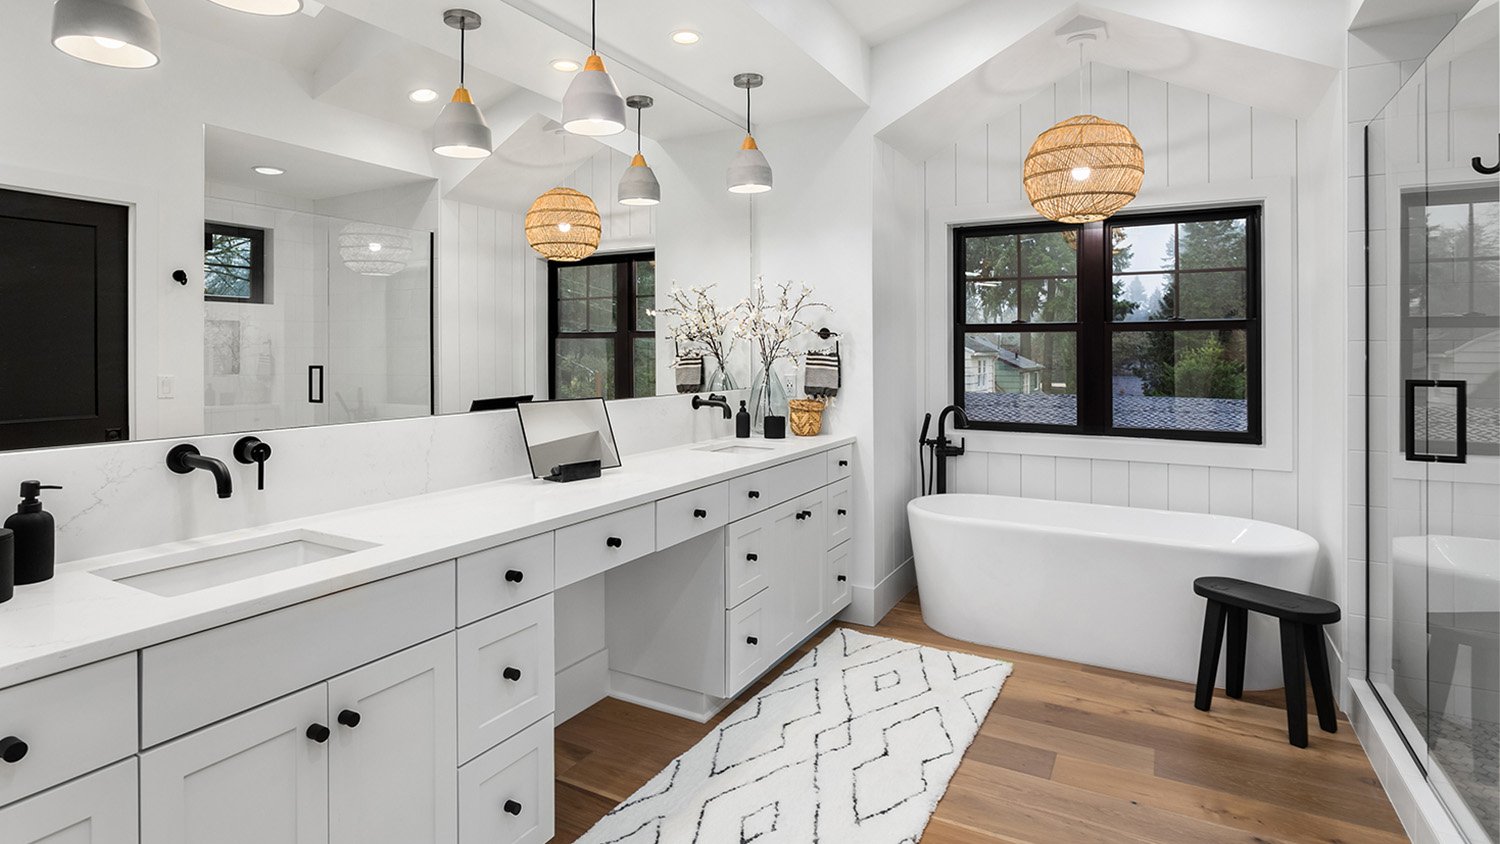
{"type": "Point", "coordinates": [35, 535]}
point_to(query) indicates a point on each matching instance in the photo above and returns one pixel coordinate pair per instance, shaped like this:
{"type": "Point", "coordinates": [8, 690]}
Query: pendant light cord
{"type": "Point", "coordinates": [463, 32]}
{"type": "Point", "coordinates": [747, 111]}
{"type": "Point", "coordinates": [594, 26]}
{"type": "Point", "coordinates": [639, 118]}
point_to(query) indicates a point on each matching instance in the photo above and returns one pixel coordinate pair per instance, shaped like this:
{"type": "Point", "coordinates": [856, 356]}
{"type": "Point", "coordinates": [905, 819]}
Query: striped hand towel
{"type": "Point", "coordinates": [821, 374]}
{"type": "Point", "coordinates": [689, 373]}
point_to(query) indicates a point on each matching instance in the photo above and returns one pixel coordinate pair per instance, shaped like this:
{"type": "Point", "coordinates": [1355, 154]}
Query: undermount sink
{"type": "Point", "coordinates": [735, 448]}
{"type": "Point", "coordinates": [194, 569]}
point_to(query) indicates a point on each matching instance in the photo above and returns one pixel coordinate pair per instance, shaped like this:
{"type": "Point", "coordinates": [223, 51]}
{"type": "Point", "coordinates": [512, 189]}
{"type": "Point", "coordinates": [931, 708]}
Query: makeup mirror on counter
{"type": "Point", "coordinates": [258, 232]}
{"type": "Point", "coordinates": [564, 433]}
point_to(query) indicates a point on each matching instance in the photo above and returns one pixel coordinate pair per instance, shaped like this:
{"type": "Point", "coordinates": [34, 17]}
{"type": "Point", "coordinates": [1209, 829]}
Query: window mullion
{"type": "Point", "coordinates": [1092, 377]}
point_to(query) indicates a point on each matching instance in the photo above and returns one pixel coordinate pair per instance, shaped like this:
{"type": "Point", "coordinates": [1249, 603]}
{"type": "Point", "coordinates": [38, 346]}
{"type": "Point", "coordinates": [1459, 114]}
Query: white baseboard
{"type": "Point", "coordinates": [869, 604]}
{"type": "Point", "coordinates": [582, 684]}
{"type": "Point", "coordinates": [1418, 807]}
{"type": "Point", "coordinates": [662, 697]}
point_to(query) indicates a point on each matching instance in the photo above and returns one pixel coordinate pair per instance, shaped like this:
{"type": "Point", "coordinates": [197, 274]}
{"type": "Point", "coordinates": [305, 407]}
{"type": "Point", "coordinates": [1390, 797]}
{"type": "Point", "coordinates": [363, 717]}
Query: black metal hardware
{"type": "Point", "coordinates": [751, 640]}
{"type": "Point", "coordinates": [754, 493]}
{"type": "Point", "coordinates": [614, 542]}
{"type": "Point", "coordinates": [843, 512]}
{"type": "Point", "coordinates": [252, 450]}
{"type": "Point", "coordinates": [700, 514]}
{"type": "Point", "coordinates": [752, 557]}
{"type": "Point", "coordinates": [514, 576]}
{"type": "Point", "coordinates": [349, 718]}
{"type": "Point", "coordinates": [713, 400]}
{"type": "Point", "coordinates": [1485, 169]}
{"type": "Point", "coordinates": [512, 807]}
{"type": "Point", "coordinates": [180, 277]}
{"type": "Point", "coordinates": [824, 333]}
{"type": "Point", "coordinates": [1461, 428]}
{"type": "Point", "coordinates": [318, 733]}
{"type": "Point", "coordinates": [184, 458]}
{"type": "Point", "coordinates": [804, 514]}
{"type": "Point", "coordinates": [842, 578]}
{"type": "Point", "coordinates": [843, 463]}
{"type": "Point", "coordinates": [12, 749]}
{"type": "Point", "coordinates": [315, 384]}
{"type": "Point", "coordinates": [511, 674]}
{"type": "Point", "coordinates": [941, 447]}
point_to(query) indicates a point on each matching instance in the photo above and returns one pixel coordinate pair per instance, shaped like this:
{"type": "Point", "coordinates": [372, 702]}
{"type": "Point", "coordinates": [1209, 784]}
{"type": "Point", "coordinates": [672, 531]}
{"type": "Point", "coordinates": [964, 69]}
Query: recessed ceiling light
{"type": "Point", "coordinates": [565, 65]}
{"type": "Point", "coordinates": [422, 95]}
{"type": "Point", "coordinates": [686, 37]}
{"type": "Point", "coordinates": [267, 170]}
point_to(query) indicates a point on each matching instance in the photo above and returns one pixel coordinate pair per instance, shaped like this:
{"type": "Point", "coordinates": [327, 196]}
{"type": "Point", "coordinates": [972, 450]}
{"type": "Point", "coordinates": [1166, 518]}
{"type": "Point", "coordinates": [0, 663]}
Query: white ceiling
{"type": "Point", "coordinates": [878, 21]}
{"type": "Point", "coordinates": [310, 174]}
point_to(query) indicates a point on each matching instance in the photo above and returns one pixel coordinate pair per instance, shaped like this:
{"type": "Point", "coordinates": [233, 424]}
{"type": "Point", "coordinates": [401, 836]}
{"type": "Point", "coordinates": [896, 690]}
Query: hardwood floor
{"type": "Point", "coordinates": [1069, 753]}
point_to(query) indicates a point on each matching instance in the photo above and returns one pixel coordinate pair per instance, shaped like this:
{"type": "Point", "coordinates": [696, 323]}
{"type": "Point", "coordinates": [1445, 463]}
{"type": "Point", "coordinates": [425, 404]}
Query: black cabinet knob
{"type": "Point", "coordinates": [842, 578]}
{"type": "Point", "coordinates": [752, 557]}
{"type": "Point", "coordinates": [349, 718]}
{"type": "Point", "coordinates": [512, 674]}
{"type": "Point", "coordinates": [12, 749]}
{"type": "Point", "coordinates": [700, 514]}
{"type": "Point", "coordinates": [614, 542]}
{"type": "Point", "coordinates": [754, 493]}
{"type": "Point", "coordinates": [804, 514]}
{"type": "Point", "coordinates": [514, 576]}
{"type": "Point", "coordinates": [751, 640]}
{"type": "Point", "coordinates": [318, 733]}
{"type": "Point", "coordinates": [843, 463]}
{"type": "Point", "coordinates": [512, 807]}
{"type": "Point", "coordinates": [843, 512]}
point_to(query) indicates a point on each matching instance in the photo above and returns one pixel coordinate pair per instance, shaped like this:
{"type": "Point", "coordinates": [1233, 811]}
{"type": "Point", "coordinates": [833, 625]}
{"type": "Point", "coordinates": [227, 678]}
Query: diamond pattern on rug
{"type": "Point", "coordinates": [854, 743]}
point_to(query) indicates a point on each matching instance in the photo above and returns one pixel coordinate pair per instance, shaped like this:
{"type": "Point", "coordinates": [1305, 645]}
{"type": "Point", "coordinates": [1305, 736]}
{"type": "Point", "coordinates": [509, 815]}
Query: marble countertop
{"type": "Point", "coordinates": [80, 617]}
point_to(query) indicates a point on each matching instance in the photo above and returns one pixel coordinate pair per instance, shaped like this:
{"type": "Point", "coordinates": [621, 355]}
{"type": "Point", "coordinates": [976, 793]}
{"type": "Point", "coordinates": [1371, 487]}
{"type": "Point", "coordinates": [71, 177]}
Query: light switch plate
{"type": "Point", "coordinates": [166, 386]}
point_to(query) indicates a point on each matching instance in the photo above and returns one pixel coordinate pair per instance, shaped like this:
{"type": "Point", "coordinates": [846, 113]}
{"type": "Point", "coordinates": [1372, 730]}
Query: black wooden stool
{"type": "Point", "coordinates": [1302, 618]}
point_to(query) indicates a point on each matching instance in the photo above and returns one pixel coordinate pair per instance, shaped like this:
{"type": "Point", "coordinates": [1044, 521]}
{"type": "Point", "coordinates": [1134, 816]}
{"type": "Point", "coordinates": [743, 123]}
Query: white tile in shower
{"type": "Point", "coordinates": [1038, 476]}
{"type": "Point", "coordinates": [1188, 488]}
{"type": "Point", "coordinates": [1230, 492]}
{"type": "Point", "coordinates": [1074, 479]}
{"type": "Point", "coordinates": [1111, 482]}
{"type": "Point", "coordinates": [1149, 485]}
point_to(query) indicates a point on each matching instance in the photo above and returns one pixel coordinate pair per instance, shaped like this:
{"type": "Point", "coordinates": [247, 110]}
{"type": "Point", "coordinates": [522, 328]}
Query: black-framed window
{"type": "Point", "coordinates": [234, 263]}
{"type": "Point", "coordinates": [602, 336]}
{"type": "Point", "coordinates": [1142, 325]}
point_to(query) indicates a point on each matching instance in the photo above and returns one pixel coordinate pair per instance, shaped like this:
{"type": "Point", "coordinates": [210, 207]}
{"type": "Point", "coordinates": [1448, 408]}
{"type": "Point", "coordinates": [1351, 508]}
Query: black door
{"type": "Point", "coordinates": [63, 321]}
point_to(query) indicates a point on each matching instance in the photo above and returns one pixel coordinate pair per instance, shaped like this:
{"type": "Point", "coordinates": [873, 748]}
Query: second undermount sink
{"type": "Point", "coordinates": [194, 569]}
{"type": "Point", "coordinates": [734, 448]}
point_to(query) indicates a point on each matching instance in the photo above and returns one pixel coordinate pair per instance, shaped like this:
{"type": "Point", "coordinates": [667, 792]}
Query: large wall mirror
{"type": "Point", "coordinates": [256, 234]}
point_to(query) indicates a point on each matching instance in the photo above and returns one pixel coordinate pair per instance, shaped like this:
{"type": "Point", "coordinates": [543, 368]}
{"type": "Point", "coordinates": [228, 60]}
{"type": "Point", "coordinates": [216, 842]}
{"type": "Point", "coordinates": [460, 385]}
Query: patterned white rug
{"type": "Point", "coordinates": [855, 743]}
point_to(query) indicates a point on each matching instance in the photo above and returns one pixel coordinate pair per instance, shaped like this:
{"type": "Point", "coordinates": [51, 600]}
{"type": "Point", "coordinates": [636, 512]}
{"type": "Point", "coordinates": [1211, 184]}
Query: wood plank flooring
{"type": "Point", "coordinates": [1069, 753]}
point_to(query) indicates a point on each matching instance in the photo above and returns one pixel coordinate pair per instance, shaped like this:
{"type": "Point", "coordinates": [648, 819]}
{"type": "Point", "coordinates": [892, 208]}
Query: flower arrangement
{"type": "Point", "coordinates": [699, 322]}
{"type": "Point", "coordinates": [772, 322]}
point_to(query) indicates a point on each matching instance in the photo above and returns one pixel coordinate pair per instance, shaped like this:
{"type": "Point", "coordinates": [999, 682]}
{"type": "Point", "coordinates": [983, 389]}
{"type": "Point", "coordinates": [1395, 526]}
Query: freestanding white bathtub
{"type": "Point", "coordinates": [1092, 583]}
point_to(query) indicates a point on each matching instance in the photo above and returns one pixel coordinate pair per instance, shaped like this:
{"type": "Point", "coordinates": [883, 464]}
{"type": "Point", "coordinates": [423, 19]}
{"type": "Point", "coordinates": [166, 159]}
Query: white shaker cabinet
{"type": "Point", "coordinates": [97, 809]}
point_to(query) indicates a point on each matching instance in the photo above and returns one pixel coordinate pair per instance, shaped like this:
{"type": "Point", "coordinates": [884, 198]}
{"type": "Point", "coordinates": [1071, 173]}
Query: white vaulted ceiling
{"type": "Point", "coordinates": [879, 21]}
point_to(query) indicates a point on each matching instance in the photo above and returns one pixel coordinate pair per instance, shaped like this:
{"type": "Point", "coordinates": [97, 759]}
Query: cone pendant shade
{"type": "Point", "coordinates": [639, 185]}
{"type": "Point", "coordinates": [593, 105]}
{"type": "Point", "coordinates": [460, 131]}
{"type": "Point", "coordinates": [749, 172]}
{"type": "Point", "coordinates": [114, 33]}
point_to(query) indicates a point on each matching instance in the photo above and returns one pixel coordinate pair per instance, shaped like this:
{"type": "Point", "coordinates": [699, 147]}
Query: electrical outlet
{"type": "Point", "coordinates": [166, 386]}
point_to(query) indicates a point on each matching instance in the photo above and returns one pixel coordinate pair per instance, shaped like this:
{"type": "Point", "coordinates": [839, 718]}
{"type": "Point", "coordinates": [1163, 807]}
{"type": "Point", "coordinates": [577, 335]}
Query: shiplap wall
{"type": "Point", "coordinates": [1189, 138]}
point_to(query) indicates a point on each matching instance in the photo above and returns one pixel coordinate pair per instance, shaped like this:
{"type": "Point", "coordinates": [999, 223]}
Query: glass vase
{"type": "Point", "coordinates": [719, 380]}
{"type": "Point", "coordinates": [768, 397]}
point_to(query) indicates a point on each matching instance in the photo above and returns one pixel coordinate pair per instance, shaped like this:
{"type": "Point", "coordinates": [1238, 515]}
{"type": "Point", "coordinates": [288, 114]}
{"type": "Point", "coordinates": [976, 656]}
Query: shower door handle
{"type": "Point", "coordinates": [1460, 452]}
{"type": "Point", "coordinates": [315, 384]}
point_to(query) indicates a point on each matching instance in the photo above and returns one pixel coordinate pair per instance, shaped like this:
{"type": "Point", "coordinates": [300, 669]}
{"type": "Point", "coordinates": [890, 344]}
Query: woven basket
{"type": "Point", "coordinates": [563, 225]}
{"type": "Point", "coordinates": [807, 417]}
{"type": "Point", "coordinates": [1109, 152]}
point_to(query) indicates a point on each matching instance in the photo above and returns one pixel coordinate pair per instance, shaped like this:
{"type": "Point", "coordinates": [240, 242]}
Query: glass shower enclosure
{"type": "Point", "coordinates": [1432, 416]}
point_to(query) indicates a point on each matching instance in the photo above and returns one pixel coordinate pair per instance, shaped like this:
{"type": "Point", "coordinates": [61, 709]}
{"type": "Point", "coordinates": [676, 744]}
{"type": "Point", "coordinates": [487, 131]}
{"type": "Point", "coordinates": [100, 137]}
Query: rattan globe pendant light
{"type": "Point", "coordinates": [639, 185]}
{"type": "Point", "coordinates": [460, 131]}
{"type": "Point", "coordinates": [563, 225]}
{"type": "Point", "coordinates": [1085, 168]}
{"type": "Point", "coordinates": [749, 172]}
{"type": "Point", "coordinates": [593, 105]}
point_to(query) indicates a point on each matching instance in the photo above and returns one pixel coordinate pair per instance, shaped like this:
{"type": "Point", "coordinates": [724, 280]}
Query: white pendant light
{"type": "Point", "coordinates": [115, 33]}
{"type": "Point", "coordinates": [460, 131]}
{"type": "Point", "coordinates": [263, 7]}
{"type": "Point", "coordinates": [639, 185]}
{"type": "Point", "coordinates": [749, 172]}
{"type": "Point", "coordinates": [593, 105]}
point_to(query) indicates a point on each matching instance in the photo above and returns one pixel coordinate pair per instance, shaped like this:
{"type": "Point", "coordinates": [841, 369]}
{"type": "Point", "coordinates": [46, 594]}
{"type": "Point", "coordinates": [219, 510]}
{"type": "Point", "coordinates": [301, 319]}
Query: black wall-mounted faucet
{"type": "Point", "coordinates": [253, 450]}
{"type": "Point", "coordinates": [184, 458]}
{"type": "Point", "coordinates": [713, 400]}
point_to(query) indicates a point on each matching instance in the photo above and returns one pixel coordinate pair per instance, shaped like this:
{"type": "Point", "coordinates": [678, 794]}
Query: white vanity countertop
{"type": "Point", "coordinates": [79, 617]}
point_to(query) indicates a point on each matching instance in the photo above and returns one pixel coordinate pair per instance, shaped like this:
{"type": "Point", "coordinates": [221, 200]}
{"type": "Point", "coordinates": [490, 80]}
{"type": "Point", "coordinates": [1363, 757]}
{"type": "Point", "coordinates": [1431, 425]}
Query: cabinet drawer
{"type": "Point", "coordinates": [597, 545]}
{"type": "Point", "coordinates": [72, 723]}
{"type": "Point", "coordinates": [101, 808]}
{"type": "Point", "coordinates": [749, 651]}
{"type": "Point", "coordinates": [500, 578]}
{"type": "Point", "coordinates": [685, 516]}
{"type": "Point", "coordinates": [200, 679]}
{"type": "Point", "coordinates": [840, 462]}
{"type": "Point", "coordinates": [505, 675]}
{"type": "Point", "coordinates": [836, 568]}
{"type": "Point", "coordinates": [751, 556]}
{"type": "Point", "coordinates": [506, 794]}
{"type": "Point", "coordinates": [749, 494]}
{"type": "Point", "coordinates": [840, 512]}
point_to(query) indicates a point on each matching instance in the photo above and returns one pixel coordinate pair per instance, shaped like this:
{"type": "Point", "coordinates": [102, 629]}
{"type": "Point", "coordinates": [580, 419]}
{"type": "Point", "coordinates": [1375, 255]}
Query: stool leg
{"type": "Point", "coordinates": [1234, 652]}
{"type": "Point", "coordinates": [1292, 673]}
{"type": "Point", "coordinates": [1317, 669]}
{"type": "Point", "coordinates": [1208, 657]}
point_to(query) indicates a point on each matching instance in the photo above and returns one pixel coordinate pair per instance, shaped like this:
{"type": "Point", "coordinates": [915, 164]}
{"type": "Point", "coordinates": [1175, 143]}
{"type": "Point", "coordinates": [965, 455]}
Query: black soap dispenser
{"type": "Point", "coordinates": [34, 535]}
{"type": "Point", "coordinates": [742, 423]}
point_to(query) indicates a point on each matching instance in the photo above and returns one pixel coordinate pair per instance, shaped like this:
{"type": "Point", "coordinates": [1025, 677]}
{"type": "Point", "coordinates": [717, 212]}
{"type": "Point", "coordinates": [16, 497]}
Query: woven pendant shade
{"type": "Point", "coordinates": [563, 225]}
{"type": "Point", "coordinates": [1083, 169]}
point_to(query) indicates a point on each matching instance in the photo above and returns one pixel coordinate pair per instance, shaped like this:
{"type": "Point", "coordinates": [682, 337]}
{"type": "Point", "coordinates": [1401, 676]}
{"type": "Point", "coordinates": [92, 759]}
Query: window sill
{"type": "Point", "coordinates": [1131, 449]}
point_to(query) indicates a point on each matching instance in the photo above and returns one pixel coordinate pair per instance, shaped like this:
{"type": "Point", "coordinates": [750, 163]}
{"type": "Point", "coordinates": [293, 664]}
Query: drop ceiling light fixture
{"type": "Point", "coordinates": [565, 65]}
{"type": "Point", "coordinates": [460, 131]}
{"type": "Point", "coordinates": [563, 225]}
{"type": "Point", "coordinates": [593, 105]}
{"type": "Point", "coordinates": [114, 33]}
{"type": "Point", "coordinates": [268, 170]}
{"type": "Point", "coordinates": [422, 95]}
{"type": "Point", "coordinates": [1085, 168]}
{"type": "Point", "coordinates": [750, 172]}
{"type": "Point", "coordinates": [263, 7]}
{"type": "Point", "coordinates": [686, 37]}
{"type": "Point", "coordinates": [639, 185]}
{"type": "Point", "coordinates": [373, 250]}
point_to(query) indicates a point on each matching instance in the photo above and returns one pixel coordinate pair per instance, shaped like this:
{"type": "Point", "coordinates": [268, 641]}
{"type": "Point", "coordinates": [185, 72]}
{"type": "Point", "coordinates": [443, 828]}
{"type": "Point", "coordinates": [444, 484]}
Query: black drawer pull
{"type": "Point", "coordinates": [843, 512]}
{"type": "Point", "coordinates": [754, 493]}
{"type": "Point", "coordinates": [752, 557]}
{"type": "Point", "coordinates": [349, 718]}
{"type": "Point", "coordinates": [514, 576]}
{"type": "Point", "coordinates": [512, 807]}
{"type": "Point", "coordinates": [700, 514]}
{"type": "Point", "coordinates": [804, 514]}
{"type": "Point", "coordinates": [512, 674]}
{"type": "Point", "coordinates": [12, 749]}
{"type": "Point", "coordinates": [842, 578]}
{"type": "Point", "coordinates": [318, 733]}
{"type": "Point", "coordinates": [614, 542]}
{"type": "Point", "coordinates": [843, 463]}
{"type": "Point", "coordinates": [751, 640]}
